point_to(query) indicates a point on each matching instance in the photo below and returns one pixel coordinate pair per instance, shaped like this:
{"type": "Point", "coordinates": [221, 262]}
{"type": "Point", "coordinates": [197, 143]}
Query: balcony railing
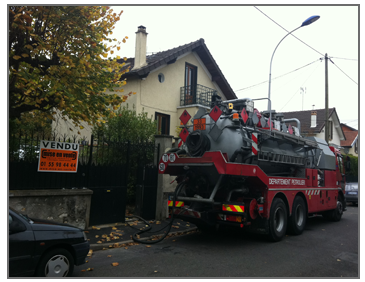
{"type": "Point", "coordinates": [198, 94]}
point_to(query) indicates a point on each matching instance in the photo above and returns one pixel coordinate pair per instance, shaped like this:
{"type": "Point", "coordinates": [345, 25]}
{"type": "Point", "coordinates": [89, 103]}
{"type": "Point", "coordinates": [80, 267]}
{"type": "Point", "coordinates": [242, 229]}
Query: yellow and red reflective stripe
{"type": "Point", "coordinates": [233, 208]}
{"type": "Point", "coordinates": [177, 203]}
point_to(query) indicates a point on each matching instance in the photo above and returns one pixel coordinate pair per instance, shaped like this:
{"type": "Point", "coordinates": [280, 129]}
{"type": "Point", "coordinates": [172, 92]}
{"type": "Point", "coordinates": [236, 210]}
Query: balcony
{"type": "Point", "coordinates": [196, 94]}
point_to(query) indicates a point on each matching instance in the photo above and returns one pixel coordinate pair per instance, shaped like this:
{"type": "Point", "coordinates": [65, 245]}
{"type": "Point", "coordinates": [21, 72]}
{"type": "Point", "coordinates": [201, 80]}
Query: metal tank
{"type": "Point", "coordinates": [235, 127]}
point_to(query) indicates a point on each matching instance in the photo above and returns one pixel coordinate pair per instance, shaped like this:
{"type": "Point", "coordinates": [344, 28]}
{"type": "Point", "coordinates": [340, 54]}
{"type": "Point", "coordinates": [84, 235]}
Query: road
{"type": "Point", "coordinates": [325, 249]}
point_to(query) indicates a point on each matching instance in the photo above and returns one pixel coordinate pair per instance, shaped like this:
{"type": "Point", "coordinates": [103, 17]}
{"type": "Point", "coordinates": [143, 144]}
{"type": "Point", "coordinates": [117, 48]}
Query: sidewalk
{"type": "Point", "coordinates": [114, 235]}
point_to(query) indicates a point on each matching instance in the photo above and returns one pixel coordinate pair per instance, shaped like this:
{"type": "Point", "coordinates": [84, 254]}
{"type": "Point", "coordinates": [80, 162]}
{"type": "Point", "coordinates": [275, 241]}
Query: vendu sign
{"type": "Point", "coordinates": [58, 156]}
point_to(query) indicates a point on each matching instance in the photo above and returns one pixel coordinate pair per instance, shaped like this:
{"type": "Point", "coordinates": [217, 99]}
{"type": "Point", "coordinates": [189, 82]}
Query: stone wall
{"type": "Point", "coordinates": [71, 206]}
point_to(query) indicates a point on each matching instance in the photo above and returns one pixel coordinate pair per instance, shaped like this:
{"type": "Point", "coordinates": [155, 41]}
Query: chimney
{"type": "Point", "coordinates": [313, 118]}
{"type": "Point", "coordinates": [141, 48]}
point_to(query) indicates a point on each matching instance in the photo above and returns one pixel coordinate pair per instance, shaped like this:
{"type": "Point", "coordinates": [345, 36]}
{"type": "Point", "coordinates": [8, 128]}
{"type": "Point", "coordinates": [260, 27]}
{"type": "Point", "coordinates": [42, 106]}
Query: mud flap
{"type": "Point", "coordinates": [259, 226]}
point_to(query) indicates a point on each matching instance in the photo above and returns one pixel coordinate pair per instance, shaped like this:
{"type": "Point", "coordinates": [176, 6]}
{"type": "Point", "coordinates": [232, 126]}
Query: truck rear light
{"type": "Point", "coordinates": [233, 218]}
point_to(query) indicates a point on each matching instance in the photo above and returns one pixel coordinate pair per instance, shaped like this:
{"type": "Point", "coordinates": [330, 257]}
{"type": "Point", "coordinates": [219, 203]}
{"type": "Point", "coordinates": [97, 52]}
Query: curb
{"type": "Point", "coordinates": [98, 247]}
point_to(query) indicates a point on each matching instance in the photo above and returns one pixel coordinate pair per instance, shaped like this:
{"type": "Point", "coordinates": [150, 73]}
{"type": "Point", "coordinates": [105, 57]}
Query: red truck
{"type": "Point", "coordinates": [237, 167]}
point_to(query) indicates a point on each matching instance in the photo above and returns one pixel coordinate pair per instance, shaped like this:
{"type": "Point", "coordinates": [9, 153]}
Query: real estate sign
{"type": "Point", "coordinates": [58, 156]}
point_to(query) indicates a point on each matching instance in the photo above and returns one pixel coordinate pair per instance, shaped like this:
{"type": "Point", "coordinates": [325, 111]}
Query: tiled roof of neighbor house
{"type": "Point", "coordinates": [351, 136]}
{"type": "Point", "coordinates": [345, 127]}
{"type": "Point", "coordinates": [168, 57]}
{"type": "Point", "coordinates": [305, 119]}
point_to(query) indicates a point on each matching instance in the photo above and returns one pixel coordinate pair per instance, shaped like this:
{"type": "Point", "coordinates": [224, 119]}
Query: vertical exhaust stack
{"type": "Point", "coordinates": [141, 48]}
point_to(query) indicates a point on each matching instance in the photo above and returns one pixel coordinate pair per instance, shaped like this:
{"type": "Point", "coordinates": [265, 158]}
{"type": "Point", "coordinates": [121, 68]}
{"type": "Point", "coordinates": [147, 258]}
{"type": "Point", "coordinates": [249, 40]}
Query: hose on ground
{"type": "Point", "coordinates": [169, 225]}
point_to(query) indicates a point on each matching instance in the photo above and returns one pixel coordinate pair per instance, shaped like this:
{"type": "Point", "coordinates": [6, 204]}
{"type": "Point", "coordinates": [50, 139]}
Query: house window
{"type": "Point", "coordinates": [330, 130]}
{"type": "Point", "coordinates": [190, 84]}
{"type": "Point", "coordinates": [161, 77]}
{"type": "Point", "coordinates": [163, 123]}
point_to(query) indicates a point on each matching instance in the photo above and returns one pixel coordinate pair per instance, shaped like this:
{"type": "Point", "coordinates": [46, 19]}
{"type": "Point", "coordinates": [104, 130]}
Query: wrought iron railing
{"type": "Point", "coordinates": [196, 94]}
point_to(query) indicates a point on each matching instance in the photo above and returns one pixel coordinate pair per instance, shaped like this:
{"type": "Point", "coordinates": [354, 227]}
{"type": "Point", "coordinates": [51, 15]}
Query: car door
{"type": "Point", "coordinates": [21, 246]}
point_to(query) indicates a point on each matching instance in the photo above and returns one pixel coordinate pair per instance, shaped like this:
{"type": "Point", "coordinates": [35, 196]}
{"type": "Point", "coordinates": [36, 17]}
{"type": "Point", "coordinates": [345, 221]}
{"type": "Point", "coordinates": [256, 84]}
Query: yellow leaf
{"type": "Point", "coordinates": [30, 47]}
{"type": "Point", "coordinates": [115, 264]}
{"type": "Point", "coordinates": [16, 57]}
{"type": "Point", "coordinates": [118, 48]}
{"type": "Point", "coordinates": [25, 55]}
{"type": "Point", "coordinates": [105, 55]}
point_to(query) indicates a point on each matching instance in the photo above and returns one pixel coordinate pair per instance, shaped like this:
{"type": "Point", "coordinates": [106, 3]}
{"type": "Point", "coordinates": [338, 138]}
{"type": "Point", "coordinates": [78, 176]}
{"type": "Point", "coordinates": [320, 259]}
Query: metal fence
{"type": "Point", "coordinates": [102, 161]}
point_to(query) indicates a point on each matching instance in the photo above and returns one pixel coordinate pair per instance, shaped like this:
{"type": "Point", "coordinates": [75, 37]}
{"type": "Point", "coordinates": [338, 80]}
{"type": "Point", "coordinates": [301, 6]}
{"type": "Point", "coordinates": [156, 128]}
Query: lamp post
{"type": "Point", "coordinates": [306, 22]}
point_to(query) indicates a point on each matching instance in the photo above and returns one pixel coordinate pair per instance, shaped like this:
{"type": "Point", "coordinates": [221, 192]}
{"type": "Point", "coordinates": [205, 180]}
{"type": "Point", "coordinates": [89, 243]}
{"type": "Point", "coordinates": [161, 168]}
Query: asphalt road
{"type": "Point", "coordinates": [325, 249]}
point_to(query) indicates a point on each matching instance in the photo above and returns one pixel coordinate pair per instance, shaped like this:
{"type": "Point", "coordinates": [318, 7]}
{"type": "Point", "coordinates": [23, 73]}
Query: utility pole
{"type": "Point", "coordinates": [326, 129]}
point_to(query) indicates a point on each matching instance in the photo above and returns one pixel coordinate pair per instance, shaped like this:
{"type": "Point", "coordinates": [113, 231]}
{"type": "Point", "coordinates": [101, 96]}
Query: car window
{"type": "Point", "coordinates": [10, 219]}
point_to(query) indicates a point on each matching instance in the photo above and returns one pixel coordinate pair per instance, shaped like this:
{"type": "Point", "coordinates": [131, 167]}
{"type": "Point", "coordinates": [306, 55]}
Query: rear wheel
{"type": "Point", "coordinates": [278, 220]}
{"type": "Point", "coordinates": [298, 218]}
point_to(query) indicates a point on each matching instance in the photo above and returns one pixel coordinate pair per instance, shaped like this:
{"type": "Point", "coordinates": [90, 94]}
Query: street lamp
{"type": "Point", "coordinates": [306, 22]}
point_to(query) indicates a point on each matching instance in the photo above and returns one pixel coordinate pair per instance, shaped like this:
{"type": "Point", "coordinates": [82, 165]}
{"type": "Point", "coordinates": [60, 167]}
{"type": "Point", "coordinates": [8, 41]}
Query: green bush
{"type": "Point", "coordinates": [354, 165]}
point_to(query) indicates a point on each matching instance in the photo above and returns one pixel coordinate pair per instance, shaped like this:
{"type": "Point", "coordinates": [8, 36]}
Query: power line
{"type": "Point", "coordinates": [343, 59]}
{"type": "Point", "coordinates": [343, 72]}
{"type": "Point", "coordinates": [288, 31]}
{"type": "Point", "coordinates": [277, 76]}
{"type": "Point", "coordinates": [297, 90]}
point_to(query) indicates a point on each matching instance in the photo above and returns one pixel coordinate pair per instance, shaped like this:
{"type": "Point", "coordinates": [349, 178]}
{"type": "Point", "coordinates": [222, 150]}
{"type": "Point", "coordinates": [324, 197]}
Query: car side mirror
{"type": "Point", "coordinates": [16, 227]}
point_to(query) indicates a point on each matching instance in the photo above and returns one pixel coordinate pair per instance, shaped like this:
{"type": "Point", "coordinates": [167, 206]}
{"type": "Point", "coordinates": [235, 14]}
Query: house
{"type": "Point", "coordinates": [351, 144]}
{"type": "Point", "coordinates": [169, 82]}
{"type": "Point", "coordinates": [312, 123]}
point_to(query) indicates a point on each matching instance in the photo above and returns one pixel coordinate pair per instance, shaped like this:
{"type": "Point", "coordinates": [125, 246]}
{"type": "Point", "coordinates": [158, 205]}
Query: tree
{"type": "Point", "coordinates": [127, 125]}
{"type": "Point", "coordinates": [57, 62]}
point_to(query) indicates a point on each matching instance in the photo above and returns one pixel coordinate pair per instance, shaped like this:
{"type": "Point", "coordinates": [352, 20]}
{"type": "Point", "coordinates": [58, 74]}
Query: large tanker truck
{"type": "Point", "coordinates": [253, 170]}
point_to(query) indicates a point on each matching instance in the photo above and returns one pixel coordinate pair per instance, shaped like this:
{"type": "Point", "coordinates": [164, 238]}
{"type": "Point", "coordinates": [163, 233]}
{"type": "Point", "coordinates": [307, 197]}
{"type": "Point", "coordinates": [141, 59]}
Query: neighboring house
{"type": "Point", "coordinates": [351, 144]}
{"type": "Point", "coordinates": [168, 82]}
{"type": "Point", "coordinates": [313, 124]}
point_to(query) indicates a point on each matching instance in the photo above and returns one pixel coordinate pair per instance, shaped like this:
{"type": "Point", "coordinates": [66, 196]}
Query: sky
{"type": "Point", "coordinates": [242, 40]}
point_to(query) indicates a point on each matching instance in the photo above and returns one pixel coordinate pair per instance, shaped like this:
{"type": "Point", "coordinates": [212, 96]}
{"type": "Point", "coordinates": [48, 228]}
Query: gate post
{"type": "Point", "coordinates": [163, 181]}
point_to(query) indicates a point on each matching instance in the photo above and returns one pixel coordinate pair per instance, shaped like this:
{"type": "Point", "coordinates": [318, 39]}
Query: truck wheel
{"type": "Point", "coordinates": [336, 214]}
{"type": "Point", "coordinates": [56, 263]}
{"type": "Point", "coordinates": [298, 218]}
{"type": "Point", "coordinates": [278, 220]}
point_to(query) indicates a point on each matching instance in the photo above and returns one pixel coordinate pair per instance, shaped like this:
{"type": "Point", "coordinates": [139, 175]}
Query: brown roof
{"type": "Point", "coordinates": [170, 56]}
{"type": "Point", "coordinates": [351, 136]}
{"type": "Point", "coordinates": [345, 127]}
{"type": "Point", "coordinates": [305, 119]}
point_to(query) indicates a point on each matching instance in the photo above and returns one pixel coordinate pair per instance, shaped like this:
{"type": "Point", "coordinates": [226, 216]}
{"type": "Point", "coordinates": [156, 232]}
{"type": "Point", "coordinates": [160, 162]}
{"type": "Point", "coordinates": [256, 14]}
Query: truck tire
{"type": "Point", "coordinates": [278, 220]}
{"type": "Point", "coordinates": [56, 263]}
{"type": "Point", "coordinates": [336, 214]}
{"type": "Point", "coordinates": [298, 218]}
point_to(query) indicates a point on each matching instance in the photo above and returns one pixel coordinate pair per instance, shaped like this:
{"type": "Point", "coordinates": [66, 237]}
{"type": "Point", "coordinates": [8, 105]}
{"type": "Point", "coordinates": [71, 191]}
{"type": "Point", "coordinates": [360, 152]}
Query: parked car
{"type": "Point", "coordinates": [44, 248]}
{"type": "Point", "coordinates": [352, 191]}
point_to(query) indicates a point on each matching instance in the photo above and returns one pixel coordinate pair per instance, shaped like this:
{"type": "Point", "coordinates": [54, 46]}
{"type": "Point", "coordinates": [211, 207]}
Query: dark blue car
{"type": "Point", "coordinates": [44, 248]}
{"type": "Point", "coordinates": [352, 191]}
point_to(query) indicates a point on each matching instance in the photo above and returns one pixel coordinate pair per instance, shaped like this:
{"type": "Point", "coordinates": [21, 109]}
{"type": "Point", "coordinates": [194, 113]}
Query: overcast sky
{"type": "Point", "coordinates": [242, 40]}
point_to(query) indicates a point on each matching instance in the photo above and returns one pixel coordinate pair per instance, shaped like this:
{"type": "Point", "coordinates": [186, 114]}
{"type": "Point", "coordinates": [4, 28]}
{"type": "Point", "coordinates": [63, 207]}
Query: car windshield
{"type": "Point", "coordinates": [22, 215]}
{"type": "Point", "coordinates": [352, 186]}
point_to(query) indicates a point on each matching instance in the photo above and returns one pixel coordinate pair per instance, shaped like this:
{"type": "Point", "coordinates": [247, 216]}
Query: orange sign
{"type": "Point", "coordinates": [199, 124]}
{"type": "Point", "coordinates": [58, 157]}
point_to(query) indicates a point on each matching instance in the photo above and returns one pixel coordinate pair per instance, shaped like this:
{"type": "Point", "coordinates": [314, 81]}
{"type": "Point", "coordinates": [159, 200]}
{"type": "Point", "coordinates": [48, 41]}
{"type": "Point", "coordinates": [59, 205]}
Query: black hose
{"type": "Point", "coordinates": [134, 236]}
{"type": "Point", "coordinates": [197, 143]}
